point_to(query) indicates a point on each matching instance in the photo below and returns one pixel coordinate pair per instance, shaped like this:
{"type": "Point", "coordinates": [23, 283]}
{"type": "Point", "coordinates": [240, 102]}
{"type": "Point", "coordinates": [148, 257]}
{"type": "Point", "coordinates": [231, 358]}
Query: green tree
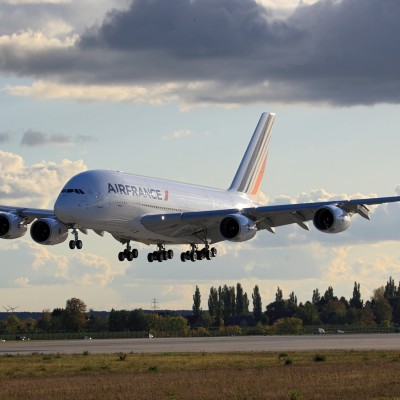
{"type": "Point", "coordinates": [382, 311]}
{"type": "Point", "coordinates": [241, 299]}
{"type": "Point", "coordinates": [293, 298]}
{"type": "Point", "coordinates": [138, 320]}
{"type": "Point", "coordinates": [29, 325]}
{"type": "Point", "coordinates": [213, 302]}
{"type": "Point", "coordinates": [257, 304]}
{"type": "Point", "coordinates": [228, 302]}
{"type": "Point", "coordinates": [12, 324]}
{"type": "Point", "coordinates": [316, 297]}
{"type": "Point", "coordinates": [309, 313]}
{"type": "Point", "coordinates": [288, 325]}
{"type": "Point", "coordinates": [390, 289]}
{"type": "Point", "coordinates": [334, 312]}
{"type": "Point", "coordinates": [278, 294]}
{"type": "Point", "coordinates": [56, 319]}
{"type": "Point", "coordinates": [196, 302]}
{"type": "Point", "coordinates": [118, 321]}
{"type": "Point", "coordinates": [356, 301]}
{"type": "Point", "coordinates": [74, 315]}
{"type": "Point", "coordinates": [44, 322]}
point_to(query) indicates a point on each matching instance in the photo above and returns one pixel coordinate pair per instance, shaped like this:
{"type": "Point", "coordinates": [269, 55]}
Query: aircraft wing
{"type": "Point", "coordinates": [28, 213]}
{"type": "Point", "coordinates": [265, 217]}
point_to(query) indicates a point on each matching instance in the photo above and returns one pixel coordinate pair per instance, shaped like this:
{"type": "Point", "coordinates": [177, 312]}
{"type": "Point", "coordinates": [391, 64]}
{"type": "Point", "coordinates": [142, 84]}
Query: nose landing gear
{"type": "Point", "coordinates": [75, 243]}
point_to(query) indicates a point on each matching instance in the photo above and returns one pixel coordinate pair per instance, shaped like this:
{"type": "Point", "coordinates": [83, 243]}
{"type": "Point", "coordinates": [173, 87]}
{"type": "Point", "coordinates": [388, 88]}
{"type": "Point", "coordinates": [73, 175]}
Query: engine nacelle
{"type": "Point", "coordinates": [11, 226]}
{"type": "Point", "coordinates": [331, 219]}
{"type": "Point", "coordinates": [237, 228]}
{"type": "Point", "coordinates": [48, 231]}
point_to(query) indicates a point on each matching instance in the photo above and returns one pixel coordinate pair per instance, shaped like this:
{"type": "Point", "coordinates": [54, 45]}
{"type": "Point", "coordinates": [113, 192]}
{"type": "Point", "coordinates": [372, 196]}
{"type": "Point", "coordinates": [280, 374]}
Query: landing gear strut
{"type": "Point", "coordinates": [75, 243]}
{"type": "Point", "coordinates": [128, 253]}
{"type": "Point", "coordinates": [195, 254]}
{"type": "Point", "coordinates": [160, 255]}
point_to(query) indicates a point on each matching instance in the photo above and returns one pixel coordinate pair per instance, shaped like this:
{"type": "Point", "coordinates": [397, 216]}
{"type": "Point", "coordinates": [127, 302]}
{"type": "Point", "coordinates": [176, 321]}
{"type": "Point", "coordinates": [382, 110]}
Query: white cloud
{"type": "Point", "coordinates": [22, 2]}
{"type": "Point", "coordinates": [36, 185]}
{"type": "Point", "coordinates": [28, 41]}
{"type": "Point", "coordinates": [151, 94]}
{"type": "Point", "coordinates": [177, 135]}
{"type": "Point", "coordinates": [22, 281]}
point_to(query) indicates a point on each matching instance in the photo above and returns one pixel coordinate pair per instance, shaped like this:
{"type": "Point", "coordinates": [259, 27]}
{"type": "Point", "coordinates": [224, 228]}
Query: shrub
{"type": "Point", "coordinates": [319, 358]}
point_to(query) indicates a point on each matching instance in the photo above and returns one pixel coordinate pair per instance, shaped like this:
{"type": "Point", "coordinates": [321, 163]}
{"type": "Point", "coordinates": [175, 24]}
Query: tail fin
{"type": "Point", "coordinates": [251, 170]}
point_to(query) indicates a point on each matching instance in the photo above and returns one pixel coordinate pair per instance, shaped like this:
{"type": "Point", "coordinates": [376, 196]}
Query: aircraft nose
{"type": "Point", "coordinates": [64, 209]}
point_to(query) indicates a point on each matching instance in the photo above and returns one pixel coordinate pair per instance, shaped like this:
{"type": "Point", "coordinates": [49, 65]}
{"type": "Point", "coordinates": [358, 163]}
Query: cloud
{"type": "Point", "coordinates": [35, 185]}
{"type": "Point", "coordinates": [35, 138]}
{"type": "Point", "coordinates": [223, 52]}
{"type": "Point", "coordinates": [151, 94]}
{"type": "Point", "coordinates": [15, 2]}
{"type": "Point", "coordinates": [5, 137]}
{"type": "Point", "coordinates": [178, 135]}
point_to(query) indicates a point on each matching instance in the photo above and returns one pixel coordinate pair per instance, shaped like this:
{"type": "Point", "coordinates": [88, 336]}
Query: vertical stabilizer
{"type": "Point", "coordinates": [251, 170]}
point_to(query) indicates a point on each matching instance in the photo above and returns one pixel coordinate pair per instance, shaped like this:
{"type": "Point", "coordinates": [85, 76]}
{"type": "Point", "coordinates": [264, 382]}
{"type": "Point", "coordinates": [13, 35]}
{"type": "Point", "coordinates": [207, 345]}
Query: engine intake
{"type": "Point", "coordinates": [237, 228]}
{"type": "Point", "coordinates": [49, 231]}
{"type": "Point", "coordinates": [331, 219]}
{"type": "Point", "coordinates": [11, 226]}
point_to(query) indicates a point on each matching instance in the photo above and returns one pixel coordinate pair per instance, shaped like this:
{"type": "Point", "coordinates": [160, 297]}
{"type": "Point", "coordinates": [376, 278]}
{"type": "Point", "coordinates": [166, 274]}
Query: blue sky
{"type": "Point", "coordinates": [174, 90]}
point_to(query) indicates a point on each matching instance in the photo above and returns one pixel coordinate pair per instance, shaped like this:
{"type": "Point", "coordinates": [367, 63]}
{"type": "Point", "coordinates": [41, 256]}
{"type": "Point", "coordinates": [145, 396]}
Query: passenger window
{"type": "Point", "coordinates": [70, 190]}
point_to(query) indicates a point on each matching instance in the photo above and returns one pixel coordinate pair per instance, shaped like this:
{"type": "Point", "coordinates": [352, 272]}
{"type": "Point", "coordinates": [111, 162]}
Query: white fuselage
{"type": "Point", "coordinates": [115, 202]}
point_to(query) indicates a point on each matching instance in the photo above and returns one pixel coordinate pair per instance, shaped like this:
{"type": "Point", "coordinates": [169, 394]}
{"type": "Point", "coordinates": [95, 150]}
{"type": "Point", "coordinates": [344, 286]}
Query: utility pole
{"type": "Point", "coordinates": [154, 304]}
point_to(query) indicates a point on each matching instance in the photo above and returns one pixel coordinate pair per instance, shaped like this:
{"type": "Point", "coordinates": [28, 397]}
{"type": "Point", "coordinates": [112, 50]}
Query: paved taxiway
{"type": "Point", "coordinates": [209, 345]}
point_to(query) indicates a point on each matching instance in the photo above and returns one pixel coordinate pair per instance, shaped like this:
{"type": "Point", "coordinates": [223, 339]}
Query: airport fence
{"type": "Point", "coordinates": [210, 332]}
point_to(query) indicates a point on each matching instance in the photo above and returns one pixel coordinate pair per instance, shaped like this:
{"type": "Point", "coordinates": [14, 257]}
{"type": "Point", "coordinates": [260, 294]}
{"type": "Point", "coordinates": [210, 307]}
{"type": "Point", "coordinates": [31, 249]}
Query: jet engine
{"type": "Point", "coordinates": [49, 231]}
{"type": "Point", "coordinates": [331, 219]}
{"type": "Point", "coordinates": [11, 226]}
{"type": "Point", "coordinates": [237, 228]}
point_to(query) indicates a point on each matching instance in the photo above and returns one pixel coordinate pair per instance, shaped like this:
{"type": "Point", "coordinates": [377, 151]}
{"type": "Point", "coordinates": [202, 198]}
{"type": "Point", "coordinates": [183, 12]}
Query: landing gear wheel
{"type": "Point", "coordinates": [183, 257]}
{"type": "Point", "coordinates": [79, 244]}
{"type": "Point", "coordinates": [121, 256]}
{"type": "Point", "coordinates": [193, 256]}
{"type": "Point", "coordinates": [150, 257]}
{"type": "Point", "coordinates": [72, 244]}
{"type": "Point", "coordinates": [135, 253]}
{"type": "Point", "coordinates": [213, 252]}
{"type": "Point", "coordinates": [130, 256]}
{"type": "Point", "coordinates": [170, 254]}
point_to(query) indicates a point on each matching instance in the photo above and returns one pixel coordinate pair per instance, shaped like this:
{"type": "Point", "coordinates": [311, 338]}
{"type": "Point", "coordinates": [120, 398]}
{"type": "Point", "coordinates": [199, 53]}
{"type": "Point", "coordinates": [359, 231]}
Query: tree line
{"type": "Point", "coordinates": [229, 309]}
{"type": "Point", "coordinates": [229, 305]}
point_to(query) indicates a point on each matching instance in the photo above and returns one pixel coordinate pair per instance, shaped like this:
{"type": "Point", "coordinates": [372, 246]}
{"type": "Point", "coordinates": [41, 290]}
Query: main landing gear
{"type": "Point", "coordinates": [160, 255]}
{"type": "Point", "coordinates": [128, 253]}
{"type": "Point", "coordinates": [76, 243]}
{"type": "Point", "coordinates": [195, 254]}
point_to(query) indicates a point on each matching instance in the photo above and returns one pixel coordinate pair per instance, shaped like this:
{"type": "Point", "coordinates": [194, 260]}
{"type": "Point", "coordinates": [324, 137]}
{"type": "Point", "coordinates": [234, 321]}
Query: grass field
{"type": "Point", "coordinates": [325, 375]}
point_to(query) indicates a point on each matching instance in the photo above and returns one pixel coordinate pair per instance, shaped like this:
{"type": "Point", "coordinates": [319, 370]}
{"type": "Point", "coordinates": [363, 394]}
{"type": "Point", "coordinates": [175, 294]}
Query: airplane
{"type": "Point", "coordinates": [158, 212]}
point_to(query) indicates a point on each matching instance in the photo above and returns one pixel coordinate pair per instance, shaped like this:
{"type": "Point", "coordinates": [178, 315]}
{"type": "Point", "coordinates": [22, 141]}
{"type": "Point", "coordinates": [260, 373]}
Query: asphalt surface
{"type": "Point", "coordinates": [208, 345]}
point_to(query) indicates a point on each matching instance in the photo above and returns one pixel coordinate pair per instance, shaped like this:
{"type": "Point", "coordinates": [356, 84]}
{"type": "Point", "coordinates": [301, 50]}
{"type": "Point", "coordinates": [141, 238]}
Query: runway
{"type": "Point", "coordinates": [208, 345]}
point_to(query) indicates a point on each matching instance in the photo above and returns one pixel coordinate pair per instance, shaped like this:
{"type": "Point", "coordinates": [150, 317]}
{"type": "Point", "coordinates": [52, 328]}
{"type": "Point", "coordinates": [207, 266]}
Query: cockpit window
{"type": "Point", "coordinates": [79, 191]}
